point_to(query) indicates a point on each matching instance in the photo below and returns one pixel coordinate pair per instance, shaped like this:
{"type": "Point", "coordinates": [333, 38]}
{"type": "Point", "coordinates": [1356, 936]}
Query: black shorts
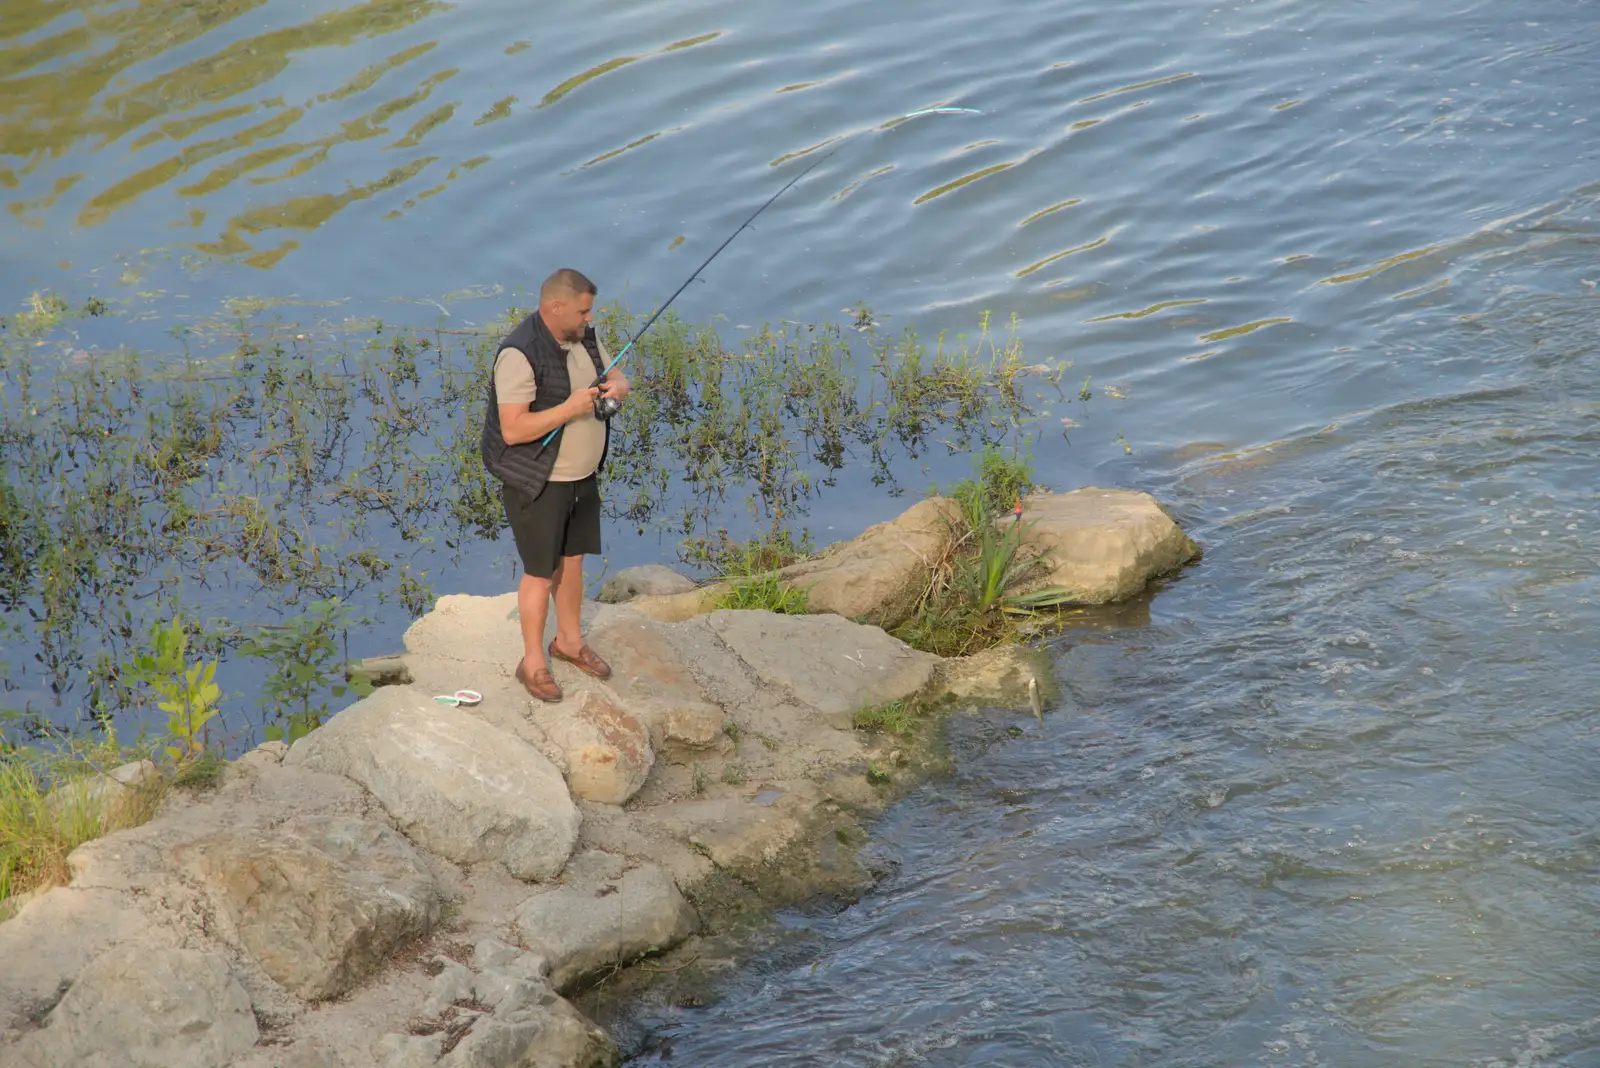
{"type": "Point", "coordinates": [564, 520]}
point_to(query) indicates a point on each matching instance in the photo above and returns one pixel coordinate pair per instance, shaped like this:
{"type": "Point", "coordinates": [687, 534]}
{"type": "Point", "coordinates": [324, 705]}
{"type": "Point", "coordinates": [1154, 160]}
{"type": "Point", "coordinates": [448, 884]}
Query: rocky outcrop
{"type": "Point", "coordinates": [998, 678]}
{"type": "Point", "coordinates": [319, 901]}
{"type": "Point", "coordinates": [453, 784]}
{"type": "Point", "coordinates": [650, 674]}
{"type": "Point", "coordinates": [879, 577]}
{"type": "Point", "coordinates": [416, 885]}
{"type": "Point", "coordinates": [1103, 544]}
{"type": "Point", "coordinates": [502, 1015]}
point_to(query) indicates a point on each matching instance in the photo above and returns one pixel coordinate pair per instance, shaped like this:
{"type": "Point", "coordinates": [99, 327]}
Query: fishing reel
{"type": "Point", "coordinates": [605, 407]}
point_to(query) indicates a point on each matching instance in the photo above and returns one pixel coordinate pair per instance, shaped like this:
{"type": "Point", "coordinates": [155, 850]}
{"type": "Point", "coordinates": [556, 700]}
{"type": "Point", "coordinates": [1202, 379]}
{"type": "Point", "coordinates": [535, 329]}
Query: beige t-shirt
{"type": "Point", "coordinates": [584, 439]}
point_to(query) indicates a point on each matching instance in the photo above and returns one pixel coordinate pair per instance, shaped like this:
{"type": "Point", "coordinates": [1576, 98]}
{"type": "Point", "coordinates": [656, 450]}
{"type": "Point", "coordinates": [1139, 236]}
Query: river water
{"type": "Point", "coordinates": [1330, 271]}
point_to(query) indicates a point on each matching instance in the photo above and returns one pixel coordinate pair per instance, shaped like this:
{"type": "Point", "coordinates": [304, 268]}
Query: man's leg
{"type": "Point", "coordinates": [567, 583]}
{"type": "Point", "coordinates": [533, 605]}
{"type": "Point", "coordinates": [534, 527]}
{"type": "Point", "coordinates": [582, 538]}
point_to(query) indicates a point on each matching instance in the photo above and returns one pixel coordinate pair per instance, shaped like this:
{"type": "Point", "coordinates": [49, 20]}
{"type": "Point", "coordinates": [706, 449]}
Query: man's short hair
{"type": "Point", "coordinates": [566, 284]}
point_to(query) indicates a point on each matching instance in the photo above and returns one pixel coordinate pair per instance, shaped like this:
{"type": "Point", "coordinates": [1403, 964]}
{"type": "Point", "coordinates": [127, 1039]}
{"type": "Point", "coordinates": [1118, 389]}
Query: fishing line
{"type": "Point", "coordinates": [606, 407]}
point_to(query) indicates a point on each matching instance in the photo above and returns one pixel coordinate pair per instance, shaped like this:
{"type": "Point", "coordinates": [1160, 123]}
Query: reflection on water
{"type": "Point", "coordinates": [67, 90]}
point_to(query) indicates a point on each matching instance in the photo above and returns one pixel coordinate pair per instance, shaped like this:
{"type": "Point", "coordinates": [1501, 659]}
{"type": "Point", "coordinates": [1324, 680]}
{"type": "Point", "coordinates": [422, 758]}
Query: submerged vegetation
{"type": "Point", "coordinates": [275, 490]}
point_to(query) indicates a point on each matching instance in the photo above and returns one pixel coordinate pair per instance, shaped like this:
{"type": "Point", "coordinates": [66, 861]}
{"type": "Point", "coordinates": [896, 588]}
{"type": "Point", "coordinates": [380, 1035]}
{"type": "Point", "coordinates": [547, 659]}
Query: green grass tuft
{"type": "Point", "coordinates": [51, 803]}
{"type": "Point", "coordinates": [767, 594]}
{"type": "Point", "coordinates": [892, 718]}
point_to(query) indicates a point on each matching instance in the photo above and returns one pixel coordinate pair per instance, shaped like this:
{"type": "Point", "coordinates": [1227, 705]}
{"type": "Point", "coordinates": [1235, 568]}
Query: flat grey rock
{"type": "Point", "coordinates": [319, 901]}
{"type": "Point", "coordinates": [827, 662]}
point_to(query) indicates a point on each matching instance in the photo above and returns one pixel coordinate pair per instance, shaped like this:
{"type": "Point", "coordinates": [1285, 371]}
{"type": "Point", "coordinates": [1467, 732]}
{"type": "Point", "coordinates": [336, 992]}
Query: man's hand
{"type": "Point", "coordinates": [580, 403]}
{"type": "Point", "coordinates": [615, 386]}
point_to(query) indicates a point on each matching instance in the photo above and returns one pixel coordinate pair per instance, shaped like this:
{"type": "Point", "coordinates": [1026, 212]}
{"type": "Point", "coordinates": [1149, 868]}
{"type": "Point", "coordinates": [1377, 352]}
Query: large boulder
{"type": "Point", "coordinates": [604, 748]}
{"type": "Point", "coordinates": [320, 901]}
{"type": "Point", "coordinates": [604, 919]}
{"type": "Point", "coordinates": [829, 663]}
{"type": "Point", "coordinates": [1103, 544]}
{"type": "Point", "coordinates": [467, 629]}
{"type": "Point", "coordinates": [145, 1008]}
{"type": "Point", "coordinates": [649, 580]}
{"type": "Point", "coordinates": [879, 576]}
{"type": "Point", "coordinates": [455, 785]}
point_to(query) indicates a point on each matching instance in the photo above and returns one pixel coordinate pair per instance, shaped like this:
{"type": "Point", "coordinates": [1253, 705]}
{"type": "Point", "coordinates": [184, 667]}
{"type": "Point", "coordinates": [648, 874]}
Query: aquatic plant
{"type": "Point", "coordinates": [264, 466]}
{"type": "Point", "coordinates": [307, 669]}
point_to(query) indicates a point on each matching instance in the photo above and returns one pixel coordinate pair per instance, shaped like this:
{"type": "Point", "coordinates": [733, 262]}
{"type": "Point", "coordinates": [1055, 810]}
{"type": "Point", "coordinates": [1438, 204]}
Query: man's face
{"type": "Point", "coordinates": [568, 316]}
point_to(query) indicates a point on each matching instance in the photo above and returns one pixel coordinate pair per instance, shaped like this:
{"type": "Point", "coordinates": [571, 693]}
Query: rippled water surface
{"type": "Point", "coordinates": [1330, 269]}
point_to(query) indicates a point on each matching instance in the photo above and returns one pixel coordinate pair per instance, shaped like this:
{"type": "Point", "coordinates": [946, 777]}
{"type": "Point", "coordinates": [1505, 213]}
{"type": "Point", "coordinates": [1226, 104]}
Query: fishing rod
{"type": "Point", "coordinates": [606, 407]}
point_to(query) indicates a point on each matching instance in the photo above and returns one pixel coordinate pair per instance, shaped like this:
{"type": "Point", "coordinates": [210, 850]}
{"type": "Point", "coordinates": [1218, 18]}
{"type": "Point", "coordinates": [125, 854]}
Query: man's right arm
{"type": "Point", "coordinates": [518, 425]}
{"type": "Point", "coordinates": [516, 389]}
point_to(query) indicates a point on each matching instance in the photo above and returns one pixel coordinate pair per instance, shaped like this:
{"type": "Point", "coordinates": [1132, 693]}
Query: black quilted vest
{"type": "Point", "coordinates": [526, 467]}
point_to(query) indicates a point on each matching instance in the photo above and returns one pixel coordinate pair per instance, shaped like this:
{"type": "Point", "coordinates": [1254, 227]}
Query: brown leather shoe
{"type": "Point", "coordinates": [587, 661]}
{"type": "Point", "coordinates": [540, 684]}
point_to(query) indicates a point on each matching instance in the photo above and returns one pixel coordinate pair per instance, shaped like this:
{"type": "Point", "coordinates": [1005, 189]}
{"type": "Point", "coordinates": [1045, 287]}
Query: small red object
{"type": "Point", "coordinates": [1018, 509]}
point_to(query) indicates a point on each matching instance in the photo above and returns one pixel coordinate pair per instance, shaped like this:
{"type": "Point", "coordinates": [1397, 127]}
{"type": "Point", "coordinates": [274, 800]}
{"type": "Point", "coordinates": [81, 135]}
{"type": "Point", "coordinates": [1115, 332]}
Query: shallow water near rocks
{"type": "Point", "coordinates": [1330, 269]}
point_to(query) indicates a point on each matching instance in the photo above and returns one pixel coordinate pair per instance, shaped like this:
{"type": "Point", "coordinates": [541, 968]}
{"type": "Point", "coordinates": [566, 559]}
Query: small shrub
{"type": "Point", "coordinates": [999, 481]}
{"type": "Point", "coordinates": [185, 692]}
{"type": "Point", "coordinates": [734, 774]}
{"type": "Point", "coordinates": [877, 774]}
{"type": "Point", "coordinates": [734, 732]}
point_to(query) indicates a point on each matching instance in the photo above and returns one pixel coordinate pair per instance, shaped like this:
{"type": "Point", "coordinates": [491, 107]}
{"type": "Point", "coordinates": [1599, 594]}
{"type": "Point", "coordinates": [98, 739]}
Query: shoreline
{"type": "Point", "coordinates": [415, 884]}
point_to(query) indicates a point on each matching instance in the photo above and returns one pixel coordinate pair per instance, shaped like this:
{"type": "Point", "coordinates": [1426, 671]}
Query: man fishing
{"type": "Point", "coordinates": [544, 438]}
